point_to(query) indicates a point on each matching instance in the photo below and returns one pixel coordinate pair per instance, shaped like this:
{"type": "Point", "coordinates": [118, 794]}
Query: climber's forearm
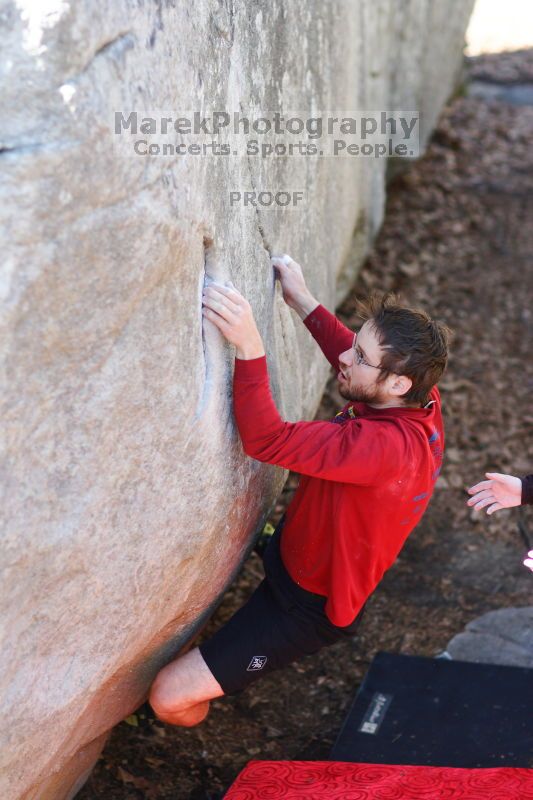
{"type": "Point", "coordinates": [304, 304]}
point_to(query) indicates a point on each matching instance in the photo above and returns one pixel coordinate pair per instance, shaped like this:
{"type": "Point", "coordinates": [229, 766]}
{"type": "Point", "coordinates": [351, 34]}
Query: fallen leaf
{"type": "Point", "coordinates": [147, 787]}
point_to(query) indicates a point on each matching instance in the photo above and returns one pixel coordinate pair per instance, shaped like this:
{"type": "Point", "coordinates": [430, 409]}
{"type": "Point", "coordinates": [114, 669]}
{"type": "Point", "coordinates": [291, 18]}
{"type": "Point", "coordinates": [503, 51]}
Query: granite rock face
{"type": "Point", "coordinates": [127, 501]}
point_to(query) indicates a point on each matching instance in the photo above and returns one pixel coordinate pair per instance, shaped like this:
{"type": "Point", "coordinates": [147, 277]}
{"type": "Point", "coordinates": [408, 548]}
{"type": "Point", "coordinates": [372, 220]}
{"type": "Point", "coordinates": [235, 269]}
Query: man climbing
{"type": "Point", "coordinates": [366, 479]}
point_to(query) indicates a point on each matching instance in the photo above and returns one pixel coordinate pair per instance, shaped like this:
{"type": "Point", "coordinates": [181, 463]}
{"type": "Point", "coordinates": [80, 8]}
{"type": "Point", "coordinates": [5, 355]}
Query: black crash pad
{"type": "Point", "coordinates": [437, 712]}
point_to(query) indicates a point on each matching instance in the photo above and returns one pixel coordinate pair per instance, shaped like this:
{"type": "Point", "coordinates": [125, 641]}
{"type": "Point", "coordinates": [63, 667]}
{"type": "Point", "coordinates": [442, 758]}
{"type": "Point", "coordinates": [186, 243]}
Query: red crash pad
{"type": "Point", "coordinates": [340, 780]}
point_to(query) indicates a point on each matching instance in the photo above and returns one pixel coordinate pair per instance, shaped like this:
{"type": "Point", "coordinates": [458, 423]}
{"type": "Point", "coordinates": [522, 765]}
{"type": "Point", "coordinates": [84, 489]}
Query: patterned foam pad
{"type": "Point", "coordinates": [334, 780]}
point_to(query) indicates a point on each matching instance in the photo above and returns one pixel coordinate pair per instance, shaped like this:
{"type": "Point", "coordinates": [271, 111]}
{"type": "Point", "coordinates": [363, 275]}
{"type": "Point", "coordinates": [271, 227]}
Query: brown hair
{"type": "Point", "coordinates": [414, 344]}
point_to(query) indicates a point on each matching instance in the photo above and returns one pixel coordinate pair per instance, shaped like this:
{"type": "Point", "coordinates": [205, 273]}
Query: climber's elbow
{"type": "Point", "coordinates": [256, 451]}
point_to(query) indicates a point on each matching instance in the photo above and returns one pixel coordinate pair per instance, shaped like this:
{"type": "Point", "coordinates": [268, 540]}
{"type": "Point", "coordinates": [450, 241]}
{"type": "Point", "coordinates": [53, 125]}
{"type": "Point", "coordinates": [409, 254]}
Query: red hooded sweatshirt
{"type": "Point", "coordinates": [366, 477]}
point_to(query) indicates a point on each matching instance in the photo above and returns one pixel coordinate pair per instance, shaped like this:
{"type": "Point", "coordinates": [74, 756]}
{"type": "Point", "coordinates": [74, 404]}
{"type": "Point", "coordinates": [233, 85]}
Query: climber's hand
{"type": "Point", "coordinates": [226, 308]}
{"type": "Point", "coordinates": [293, 286]}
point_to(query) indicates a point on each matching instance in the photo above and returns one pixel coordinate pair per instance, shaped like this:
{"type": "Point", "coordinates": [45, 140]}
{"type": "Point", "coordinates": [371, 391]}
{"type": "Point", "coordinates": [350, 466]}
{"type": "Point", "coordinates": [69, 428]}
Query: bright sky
{"type": "Point", "coordinates": [497, 25]}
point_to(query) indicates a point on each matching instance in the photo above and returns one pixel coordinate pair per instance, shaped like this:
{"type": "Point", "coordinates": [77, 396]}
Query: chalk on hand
{"type": "Point", "coordinates": [212, 282]}
{"type": "Point", "coordinates": [284, 258]}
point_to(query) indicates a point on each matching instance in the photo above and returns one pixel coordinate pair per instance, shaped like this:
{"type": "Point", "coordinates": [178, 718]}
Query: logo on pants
{"type": "Point", "coordinates": [257, 662]}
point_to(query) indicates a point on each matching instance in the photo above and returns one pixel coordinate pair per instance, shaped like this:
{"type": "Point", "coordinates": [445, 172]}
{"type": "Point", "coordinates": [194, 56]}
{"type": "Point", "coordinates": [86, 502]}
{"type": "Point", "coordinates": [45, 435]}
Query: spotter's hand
{"type": "Point", "coordinates": [500, 491]}
{"type": "Point", "coordinates": [226, 308]}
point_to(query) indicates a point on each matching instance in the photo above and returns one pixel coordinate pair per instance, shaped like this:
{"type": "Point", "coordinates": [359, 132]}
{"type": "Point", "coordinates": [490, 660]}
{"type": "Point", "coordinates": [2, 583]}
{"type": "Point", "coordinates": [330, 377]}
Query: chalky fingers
{"type": "Point", "coordinates": [220, 302]}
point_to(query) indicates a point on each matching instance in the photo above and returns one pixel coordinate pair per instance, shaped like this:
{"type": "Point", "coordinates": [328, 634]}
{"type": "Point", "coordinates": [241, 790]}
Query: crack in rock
{"type": "Point", "coordinates": [116, 47]}
{"type": "Point", "coordinates": [207, 276]}
{"type": "Point", "coordinates": [264, 239]}
{"type": "Point", "coordinates": [33, 147]}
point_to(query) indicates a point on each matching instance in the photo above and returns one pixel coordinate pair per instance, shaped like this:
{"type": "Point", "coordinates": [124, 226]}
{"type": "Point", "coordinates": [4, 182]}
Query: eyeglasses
{"type": "Point", "coordinates": [359, 358]}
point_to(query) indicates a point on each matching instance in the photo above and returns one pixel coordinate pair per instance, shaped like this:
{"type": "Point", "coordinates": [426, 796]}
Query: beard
{"type": "Point", "coordinates": [359, 394]}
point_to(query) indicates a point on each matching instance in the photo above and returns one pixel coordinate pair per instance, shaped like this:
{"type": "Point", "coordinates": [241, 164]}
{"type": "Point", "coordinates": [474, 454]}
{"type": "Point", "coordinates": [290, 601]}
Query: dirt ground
{"type": "Point", "coordinates": [457, 241]}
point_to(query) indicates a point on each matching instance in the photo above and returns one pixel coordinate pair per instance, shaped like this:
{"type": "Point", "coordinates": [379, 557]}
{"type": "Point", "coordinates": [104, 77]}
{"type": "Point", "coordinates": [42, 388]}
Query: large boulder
{"type": "Point", "coordinates": [128, 503]}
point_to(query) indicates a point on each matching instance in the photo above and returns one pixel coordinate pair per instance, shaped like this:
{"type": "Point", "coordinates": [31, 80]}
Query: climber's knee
{"type": "Point", "coordinates": [187, 717]}
{"type": "Point", "coordinates": [183, 685]}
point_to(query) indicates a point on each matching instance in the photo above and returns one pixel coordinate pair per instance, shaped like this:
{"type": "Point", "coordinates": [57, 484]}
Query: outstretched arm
{"type": "Point", "coordinates": [295, 291]}
{"type": "Point", "coordinates": [503, 491]}
{"type": "Point", "coordinates": [331, 335]}
{"type": "Point", "coordinates": [355, 453]}
{"type": "Point", "coordinates": [359, 452]}
{"type": "Point", "coordinates": [499, 491]}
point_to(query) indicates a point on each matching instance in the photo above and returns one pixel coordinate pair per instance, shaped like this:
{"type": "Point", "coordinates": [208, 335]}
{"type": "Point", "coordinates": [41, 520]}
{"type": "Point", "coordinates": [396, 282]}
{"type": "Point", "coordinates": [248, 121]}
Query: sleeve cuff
{"type": "Point", "coordinates": [527, 490]}
{"type": "Point", "coordinates": [317, 315]}
{"type": "Point", "coordinates": [249, 369]}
